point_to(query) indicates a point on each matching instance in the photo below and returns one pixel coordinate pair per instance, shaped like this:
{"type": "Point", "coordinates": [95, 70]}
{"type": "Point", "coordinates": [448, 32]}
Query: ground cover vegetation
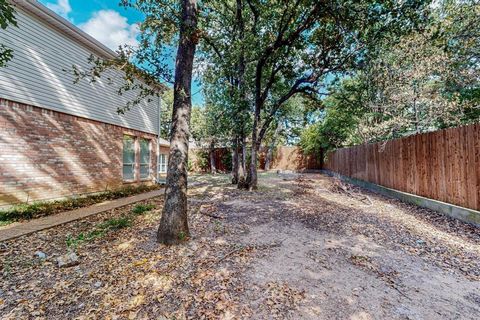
{"type": "Point", "coordinates": [37, 209]}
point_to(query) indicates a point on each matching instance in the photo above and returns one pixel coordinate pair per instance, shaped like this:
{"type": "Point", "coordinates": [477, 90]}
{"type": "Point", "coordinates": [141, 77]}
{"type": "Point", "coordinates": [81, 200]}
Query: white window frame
{"type": "Point", "coordinates": [132, 164]}
{"type": "Point", "coordinates": [162, 163]}
{"type": "Point", "coordinates": [143, 164]}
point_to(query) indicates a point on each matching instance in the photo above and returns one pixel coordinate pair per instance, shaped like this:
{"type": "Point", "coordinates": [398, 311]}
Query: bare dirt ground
{"type": "Point", "coordinates": [301, 247]}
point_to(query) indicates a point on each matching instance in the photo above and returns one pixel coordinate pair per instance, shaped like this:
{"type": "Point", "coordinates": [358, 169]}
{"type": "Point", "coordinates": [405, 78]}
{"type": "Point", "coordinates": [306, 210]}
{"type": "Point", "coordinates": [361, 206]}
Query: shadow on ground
{"type": "Point", "coordinates": [295, 249]}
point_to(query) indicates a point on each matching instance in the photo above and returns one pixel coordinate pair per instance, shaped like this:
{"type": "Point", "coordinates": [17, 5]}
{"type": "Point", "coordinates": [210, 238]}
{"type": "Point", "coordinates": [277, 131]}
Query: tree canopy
{"type": "Point", "coordinates": [424, 80]}
{"type": "Point", "coordinates": [7, 18]}
{"type": "Point", "coordinates": [258, 55]}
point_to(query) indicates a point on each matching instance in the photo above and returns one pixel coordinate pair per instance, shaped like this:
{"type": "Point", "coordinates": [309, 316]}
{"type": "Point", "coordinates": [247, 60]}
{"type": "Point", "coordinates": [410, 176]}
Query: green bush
{"type": "Point", "coordinates": [203, 157]}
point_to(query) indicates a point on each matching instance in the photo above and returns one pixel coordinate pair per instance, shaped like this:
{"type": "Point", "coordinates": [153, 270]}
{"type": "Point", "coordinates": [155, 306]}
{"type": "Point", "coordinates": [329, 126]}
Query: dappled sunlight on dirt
{"type": "Point", "coordinates": [298, 248]}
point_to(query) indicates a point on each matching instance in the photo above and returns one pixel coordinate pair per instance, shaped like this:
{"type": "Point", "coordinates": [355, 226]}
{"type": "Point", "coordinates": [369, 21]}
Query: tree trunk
{"type": "Point", "coordinates": [213, 167]}
{"type": "Point", "coordinates": [244, 155]}
{"type": "Point", "coordinates": [252, 179]}
{"type": "Point", "coordinates": [268, 157]}
{"type": "Point", "coordinates": [271, 148]}
{"type": "Point", "coordinates": [235, 161]}
{"type": "Point", "coordinates": [242, 171]}
{"type": "Point", "coordinates": [174, 222]}
{"type": "Point", "coordinates": [242, 181]}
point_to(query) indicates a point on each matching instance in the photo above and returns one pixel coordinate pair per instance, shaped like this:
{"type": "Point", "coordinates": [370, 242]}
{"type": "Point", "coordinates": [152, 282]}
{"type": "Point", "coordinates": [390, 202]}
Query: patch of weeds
{"type": "Point", "coordinates": [217, 226]}
{"type": "Point", "coordinates": [5, 222]}
{"type": "Point", "coordinates": [142, 208]}
{"type": "Point", "coordinates": [7, 267]}
{"type": "Point", "coordinates": [73, 242]}
{"type": "Point", "coordinates": [268, 174]}
{"type": "Point", "coordinates": [116, 223]}
{"type": "Point", "coordinates": [100, 231]}
{"type": "Point", "coordinates": [284, 194]}
{"type": "Point", "coordinates": [44, 208]}
{"type": "Point", "coordinates": [182, 236]}
{"type": "Point", "coordinates": [96, 233]}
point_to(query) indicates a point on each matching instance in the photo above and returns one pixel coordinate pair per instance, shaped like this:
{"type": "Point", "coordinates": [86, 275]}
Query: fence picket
{"type": "Point", "coordinates": [442, 165]}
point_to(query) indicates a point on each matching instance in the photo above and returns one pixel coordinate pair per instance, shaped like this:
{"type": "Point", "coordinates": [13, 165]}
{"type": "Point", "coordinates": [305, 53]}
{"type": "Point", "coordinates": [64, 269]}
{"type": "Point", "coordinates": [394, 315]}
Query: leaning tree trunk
{"type": "Point", "coordinates": [174, 222]}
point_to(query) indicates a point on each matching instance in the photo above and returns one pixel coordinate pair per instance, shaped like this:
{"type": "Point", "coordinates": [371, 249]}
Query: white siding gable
{"type": "Point", "coordinates": [36, 76]}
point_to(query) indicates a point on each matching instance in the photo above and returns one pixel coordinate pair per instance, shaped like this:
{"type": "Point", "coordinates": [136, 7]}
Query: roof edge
{"type": "Point", "coordinates": [64, 26]}
{"type": "Point", "coordinates": [70, 30]}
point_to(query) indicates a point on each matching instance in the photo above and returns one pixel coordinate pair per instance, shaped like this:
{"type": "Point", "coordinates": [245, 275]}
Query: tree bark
{"type": "Point", "coordinates": [174, 222]}
{"type": "Point", "coordinates": [271, 147]}
{"type": "Point", "coordinates": [213, 166]}
{"type": "Point", "coordinates": [269, 156]}
{"type": "Point", "coordinates": [252, 179]}
{"type": "Point", "coordinates": [235, 161]}
{"type": "Point", "coordinates": [242, 168]}
{"type": "Point", "coordinates": [241, 68]}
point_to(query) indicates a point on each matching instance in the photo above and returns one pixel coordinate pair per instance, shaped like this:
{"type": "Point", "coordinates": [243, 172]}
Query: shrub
{"type": "Point", "coordinates": [203, 160]}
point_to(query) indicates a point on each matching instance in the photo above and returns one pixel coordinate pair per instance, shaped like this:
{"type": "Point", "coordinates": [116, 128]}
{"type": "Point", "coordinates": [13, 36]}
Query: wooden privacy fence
{"type": "Point", "coordinates": [291, 158]}
{"type": "Point", "coordinates": [442, 165]}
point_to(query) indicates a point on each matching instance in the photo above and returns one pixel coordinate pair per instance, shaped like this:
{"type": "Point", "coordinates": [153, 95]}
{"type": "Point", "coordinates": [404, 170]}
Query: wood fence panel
{"type": "Point", "coordinates": [472, 172]}
{"type": "Point", "coordinates": [477, 163]}
{"type": "Point", "coordinates": [442, 165]}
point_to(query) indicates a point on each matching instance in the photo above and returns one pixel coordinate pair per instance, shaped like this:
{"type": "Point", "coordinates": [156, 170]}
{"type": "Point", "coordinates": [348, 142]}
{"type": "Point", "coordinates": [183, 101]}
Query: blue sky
{"type": "Point", "coordinates": [109, 23]}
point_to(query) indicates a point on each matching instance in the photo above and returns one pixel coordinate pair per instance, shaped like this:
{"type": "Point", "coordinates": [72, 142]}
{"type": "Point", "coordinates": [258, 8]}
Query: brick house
{"type": "Point", "coordinates": [57, 138]}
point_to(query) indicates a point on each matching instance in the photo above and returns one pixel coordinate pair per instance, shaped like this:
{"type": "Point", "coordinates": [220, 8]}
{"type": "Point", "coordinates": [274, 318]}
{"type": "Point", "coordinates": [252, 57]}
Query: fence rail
{"type": "Point", "coordinates": [442, 165]}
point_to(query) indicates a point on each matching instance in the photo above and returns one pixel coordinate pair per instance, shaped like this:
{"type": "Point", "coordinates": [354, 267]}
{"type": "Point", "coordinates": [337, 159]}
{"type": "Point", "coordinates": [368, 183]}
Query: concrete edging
{"type": "Point", "coordinates": [24, 228]}
{"type": "Point", "coordinates": [464, 214]}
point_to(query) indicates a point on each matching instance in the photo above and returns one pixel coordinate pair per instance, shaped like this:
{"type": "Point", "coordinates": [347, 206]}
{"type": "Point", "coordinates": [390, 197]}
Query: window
{"type": "Point", "coordinates": [144, 158]}
{"type": "Point", "coordinates": [128, 158]}
{"type": "Point", "coordinates": [162, 163]}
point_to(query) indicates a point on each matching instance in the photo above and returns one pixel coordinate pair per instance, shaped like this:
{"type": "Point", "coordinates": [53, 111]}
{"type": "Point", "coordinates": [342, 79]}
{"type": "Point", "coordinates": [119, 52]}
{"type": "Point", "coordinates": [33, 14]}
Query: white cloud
{"type": "Point", "coordinates": [61, 7]}
{"type": "Point", "coordinates": [111, 29]}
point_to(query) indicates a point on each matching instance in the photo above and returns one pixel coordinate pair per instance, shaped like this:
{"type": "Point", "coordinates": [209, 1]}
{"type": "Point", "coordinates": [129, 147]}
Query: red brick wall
{"type": "Point", "coordinates": [46, 154]}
